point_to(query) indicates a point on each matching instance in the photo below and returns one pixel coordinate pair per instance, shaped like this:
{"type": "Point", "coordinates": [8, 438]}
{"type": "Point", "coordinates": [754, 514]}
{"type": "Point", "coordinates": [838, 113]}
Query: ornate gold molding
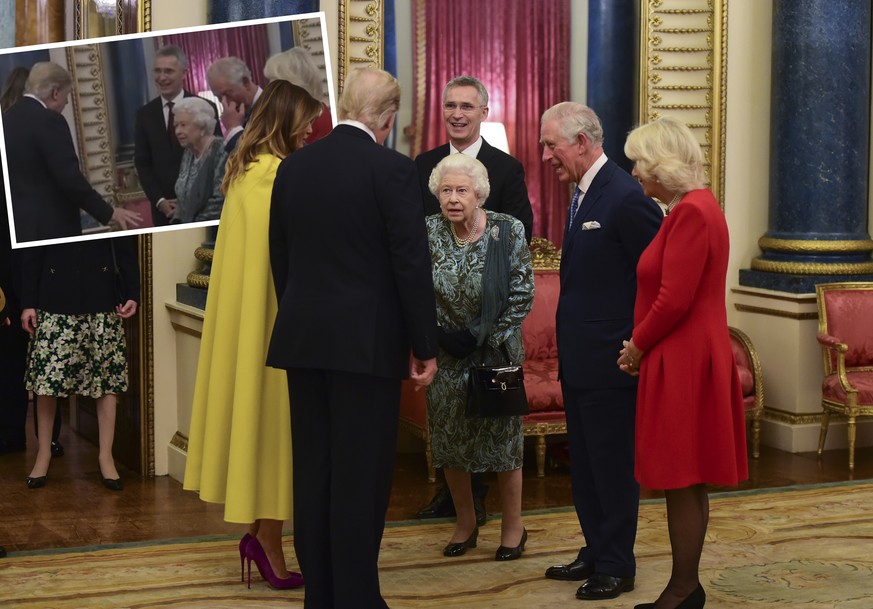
{"type": "Point", "coordinates": [775, 415]}
{"type": "Point", "coordinates": [361, 35]}
{"type": "Point", "coordinates": [543, 255]}
{"type": "Point", "coordinates": [812, 268]}
{"type": "Point", "coordinates": [683, 72]}
{"type": "Point", "coordinates": [803, 245]}
{"type": "Point", "coordinates": [179, 441]}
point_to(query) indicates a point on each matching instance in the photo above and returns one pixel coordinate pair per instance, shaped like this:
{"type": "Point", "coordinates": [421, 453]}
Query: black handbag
{"type": "Point", "coordinates": [496, 391]}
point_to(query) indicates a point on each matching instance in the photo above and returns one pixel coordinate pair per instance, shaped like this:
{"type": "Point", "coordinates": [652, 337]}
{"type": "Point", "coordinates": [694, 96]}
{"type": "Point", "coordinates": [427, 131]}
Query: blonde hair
{"type": "Point", "coordinates": [278, 121]}
{"type": "Point", "coordinates": [370, 96]}
{"type": "Point", "coordinates": [667, 150]}
{"type": "Point", "coordinates": [297, 67]}
{"type": "Point", "coordinates": [46, 77]}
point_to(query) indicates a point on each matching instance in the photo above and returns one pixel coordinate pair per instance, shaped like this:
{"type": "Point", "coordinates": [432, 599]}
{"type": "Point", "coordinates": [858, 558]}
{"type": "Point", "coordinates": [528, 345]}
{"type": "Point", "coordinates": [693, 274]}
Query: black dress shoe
{"type": "Point", "coordinates": [459, 549]}
{"type": "Point", "coordinates": [600, 587]}
{"type": "Point", "coordinates": [113, 485]}
{"type": "Point", "coordinates": [695, 600]}
{"type": "Point", "coordinates": [575, 571]}
{"type": "Point", "coordinates": [504, 553]}
{"type": "Point", "coordinates": [57, 449]}
{"type": "Point", "coordinates": [440, 506]}
{"type": "Point", "coordinates": [37, 482]}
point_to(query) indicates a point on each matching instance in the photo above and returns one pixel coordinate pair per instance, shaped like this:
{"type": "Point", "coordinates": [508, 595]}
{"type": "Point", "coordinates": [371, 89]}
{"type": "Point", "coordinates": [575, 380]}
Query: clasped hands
{"type": "Point", "coordinates": [629, 358]}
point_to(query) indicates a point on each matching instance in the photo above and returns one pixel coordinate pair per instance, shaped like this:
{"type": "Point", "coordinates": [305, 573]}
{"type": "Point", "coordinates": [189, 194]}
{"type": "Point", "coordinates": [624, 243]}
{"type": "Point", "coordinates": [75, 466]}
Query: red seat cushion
{"type": "Point", "coordinates": [541, 385]}
{"type": "Point", "coordinates": [862, 381]}
{"type": "Point", "coordinates": [538, 328]}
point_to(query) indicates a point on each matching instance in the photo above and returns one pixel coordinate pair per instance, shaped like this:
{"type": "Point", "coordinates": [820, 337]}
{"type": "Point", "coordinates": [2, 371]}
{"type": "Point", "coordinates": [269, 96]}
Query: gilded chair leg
{"type": "Point", "coordinates": [825, 420]}
{"type": "Point", "coordinates": [852, 443]}
{"type": "Point", "coordinates": [756, 435]}
{"type": "Point", "coordinates": [541, 456]}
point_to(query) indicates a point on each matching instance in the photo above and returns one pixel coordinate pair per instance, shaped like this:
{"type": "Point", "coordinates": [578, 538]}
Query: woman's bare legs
{"type": "Point", "coordinates": [269, 534]}
{"type": "Point", "coordinates": [47, 405]}
{"type": "Point", "coordinates": [511, 528]}
{"type": "Point", "coordinates": [687, 519]}
{"type": "Point", "coordinates": [462, 497]}
{"type": "Point", "coordinates": [106, 430]}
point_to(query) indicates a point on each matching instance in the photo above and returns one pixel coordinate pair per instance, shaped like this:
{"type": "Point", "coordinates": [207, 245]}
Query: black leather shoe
{"type": "Point", "coordinates": [440, 506]}
{"type": "Point", "coordinates": [2, 552]}
{"type": "Point", "coordinates": [695, 600]}
{"type": "Point", "coordinates": [459, 549]}
{"type": "Point", "coordinates": [479, 506]}
{"type": "Point", "coordinates": [600, 587]}
{"type": "Point", "coordinates": [504, 553]}
{"type": "Point", "coordinates": [573, 572]}
{"type": "Point", "coordinates": [57, 449]}
{"type": "Point", "coordinates": [37, 482]}
{"type": "Point", "coordinates": [113, 485]}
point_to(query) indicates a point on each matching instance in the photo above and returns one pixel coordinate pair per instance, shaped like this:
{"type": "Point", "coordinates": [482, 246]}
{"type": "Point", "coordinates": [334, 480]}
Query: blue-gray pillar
{"type": "Point", "coordinates": [819, 148]}
{"type": "Point", "coordinates": [613, 32]}
{"type": "Point", "coordinates": [7, 24]}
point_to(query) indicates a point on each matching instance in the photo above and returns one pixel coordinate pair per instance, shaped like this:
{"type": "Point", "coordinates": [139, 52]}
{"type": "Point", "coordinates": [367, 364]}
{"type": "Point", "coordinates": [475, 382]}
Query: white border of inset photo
{"type": "Point", "coordinates": [110, 181]}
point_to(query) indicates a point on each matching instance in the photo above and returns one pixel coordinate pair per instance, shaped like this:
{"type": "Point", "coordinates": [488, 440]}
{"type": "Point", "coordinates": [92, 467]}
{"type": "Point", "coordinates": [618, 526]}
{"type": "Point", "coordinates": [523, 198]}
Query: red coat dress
{"type": "Point", "coordinates": [690, 425]}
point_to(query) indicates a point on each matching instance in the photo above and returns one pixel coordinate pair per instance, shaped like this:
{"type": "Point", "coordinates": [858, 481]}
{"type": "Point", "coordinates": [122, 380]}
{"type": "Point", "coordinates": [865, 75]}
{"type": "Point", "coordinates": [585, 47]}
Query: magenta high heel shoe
{"type": "Point", "coordinates": [255, 552]}
{"type": "Point", "coordinates": [242, 555]}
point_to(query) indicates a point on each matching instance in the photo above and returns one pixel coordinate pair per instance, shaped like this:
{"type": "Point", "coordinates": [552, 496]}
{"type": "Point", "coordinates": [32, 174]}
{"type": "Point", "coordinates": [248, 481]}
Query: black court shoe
{"type": "Point", "coordinates": [459, 549]}
{"type": "Point", "coordinates": [504, 553]}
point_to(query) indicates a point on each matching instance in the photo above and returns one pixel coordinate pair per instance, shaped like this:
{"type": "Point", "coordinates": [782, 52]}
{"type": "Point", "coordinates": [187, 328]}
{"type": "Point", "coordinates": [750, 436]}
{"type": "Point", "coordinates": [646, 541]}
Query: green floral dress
{"type": "Point", "coordinates": [458, 442]}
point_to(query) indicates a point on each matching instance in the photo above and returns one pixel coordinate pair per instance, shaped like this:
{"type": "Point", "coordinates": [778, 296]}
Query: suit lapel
{"type": "Point", "coordinates": [592, 197]}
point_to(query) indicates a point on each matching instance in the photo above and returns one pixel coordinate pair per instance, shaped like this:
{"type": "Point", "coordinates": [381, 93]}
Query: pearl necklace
{"type": "Point", "coordinates": [673, 202]}
{"type": "Point", "coordinates": [470, 236]}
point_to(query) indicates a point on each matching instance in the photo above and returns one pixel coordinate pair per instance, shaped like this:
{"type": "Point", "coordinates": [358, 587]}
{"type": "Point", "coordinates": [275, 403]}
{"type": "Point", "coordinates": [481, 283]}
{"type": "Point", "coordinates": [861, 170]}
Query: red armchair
{"type": "Point", "coordinates": [752, 382]}
{"type": "Point", "coordinates": [540, 366]}
{"type": "Point", "coordinates": [845, 333]}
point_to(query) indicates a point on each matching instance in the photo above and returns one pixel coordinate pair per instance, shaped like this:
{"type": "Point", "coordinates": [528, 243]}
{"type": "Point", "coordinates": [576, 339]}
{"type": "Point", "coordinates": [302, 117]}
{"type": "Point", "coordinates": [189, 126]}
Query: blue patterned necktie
{"type": "Point", "coordinates": [574, 206]}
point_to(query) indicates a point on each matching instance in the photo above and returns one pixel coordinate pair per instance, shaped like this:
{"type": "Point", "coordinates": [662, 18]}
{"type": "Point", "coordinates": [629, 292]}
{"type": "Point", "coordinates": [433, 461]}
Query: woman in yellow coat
{"type": "Point", "coordinates": [239, 449]}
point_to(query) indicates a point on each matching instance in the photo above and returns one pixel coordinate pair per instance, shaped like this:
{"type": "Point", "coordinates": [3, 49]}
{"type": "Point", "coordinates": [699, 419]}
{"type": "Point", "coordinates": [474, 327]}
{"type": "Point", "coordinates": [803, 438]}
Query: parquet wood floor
{"type": "Point", "coordinates": [74, 509]}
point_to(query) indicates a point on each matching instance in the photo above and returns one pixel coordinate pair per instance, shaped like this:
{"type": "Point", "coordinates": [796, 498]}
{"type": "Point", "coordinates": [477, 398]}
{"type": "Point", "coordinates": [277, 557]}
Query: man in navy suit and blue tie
{"type": "Point", "coordinates": [231, 81]}
{"type": "Point", "coordinates": [610, 223]}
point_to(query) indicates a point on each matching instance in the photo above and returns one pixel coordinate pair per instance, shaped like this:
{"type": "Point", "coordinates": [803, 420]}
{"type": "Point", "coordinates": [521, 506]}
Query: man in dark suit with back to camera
{"type": "Point", "coordinates": [610, 223]}
{"type": "Point", "coordinates": [157, 153]}
{"type": "Point", "coordinates": [45, 180]}
{"type": "Point", "coordinates": [465, 107]}
{"type": "Point", "coordinates": [352, 271]}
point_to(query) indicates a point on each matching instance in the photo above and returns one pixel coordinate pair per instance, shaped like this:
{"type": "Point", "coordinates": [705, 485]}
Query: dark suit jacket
{"type": "Point", "coordinates": [350, 259]}
{"type": "Point", "coordinates": [45, 180]}
{"type": "Point", "coordinates": [156, 156]}
{"type": "Point", "coordinates": [78, 277]}
{"type": "Point", "coordinates": [598, 278]}
{"type": "Point", "coordinates": [505, 173]}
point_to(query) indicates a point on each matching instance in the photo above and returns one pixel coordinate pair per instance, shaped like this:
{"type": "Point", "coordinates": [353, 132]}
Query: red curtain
{"type": "Point", "coordinates": [249, 43]}
{"type": "Point", "coordinates": [520, 50]}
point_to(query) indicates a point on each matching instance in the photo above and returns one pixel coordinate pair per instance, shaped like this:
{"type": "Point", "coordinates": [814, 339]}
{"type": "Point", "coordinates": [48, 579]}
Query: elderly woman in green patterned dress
{"type": "Point", "coordinates": [461, 237]}
{"type": "Point", "coordinates": [198, 188]}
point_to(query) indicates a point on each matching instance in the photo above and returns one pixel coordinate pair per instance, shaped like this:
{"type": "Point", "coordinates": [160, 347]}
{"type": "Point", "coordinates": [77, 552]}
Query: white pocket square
{"type": "Point", "coordinates": [593, 224]}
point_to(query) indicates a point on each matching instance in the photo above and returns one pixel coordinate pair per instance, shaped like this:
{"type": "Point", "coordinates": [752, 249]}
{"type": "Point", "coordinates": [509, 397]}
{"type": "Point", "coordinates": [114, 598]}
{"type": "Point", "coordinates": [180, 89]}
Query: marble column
{"type": "Point", "coordinates": [39, 21]}
{"type": "Point", "coordinates": [613, 28]}
{"type": "Point", "coordinates": [7, 24]}
{"type": "Point", "coordinates": [819, 161]}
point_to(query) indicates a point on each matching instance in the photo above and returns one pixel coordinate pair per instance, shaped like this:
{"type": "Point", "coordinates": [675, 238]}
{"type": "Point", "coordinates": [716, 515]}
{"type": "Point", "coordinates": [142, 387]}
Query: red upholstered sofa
{"type": "Point", "coordinates": [751, 380]}
{"type": "Point", "coordinates": [540, 367]}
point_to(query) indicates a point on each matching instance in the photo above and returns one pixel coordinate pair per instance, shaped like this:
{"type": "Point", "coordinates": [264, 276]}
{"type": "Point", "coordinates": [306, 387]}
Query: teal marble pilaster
{"type": "Point", "coordinates": [819, 148]}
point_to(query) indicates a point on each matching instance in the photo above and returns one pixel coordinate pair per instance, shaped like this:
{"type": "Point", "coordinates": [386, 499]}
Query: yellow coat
{"type": "Point", "coordinates": [239, 449]}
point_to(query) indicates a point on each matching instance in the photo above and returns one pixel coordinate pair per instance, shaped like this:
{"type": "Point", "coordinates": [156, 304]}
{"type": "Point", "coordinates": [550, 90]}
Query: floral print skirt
{"type": "Point", "coordinates": [77, 355]}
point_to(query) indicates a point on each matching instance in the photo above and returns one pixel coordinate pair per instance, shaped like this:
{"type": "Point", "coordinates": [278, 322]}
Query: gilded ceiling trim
{"type": "Point", "coordinates": [683, 73]}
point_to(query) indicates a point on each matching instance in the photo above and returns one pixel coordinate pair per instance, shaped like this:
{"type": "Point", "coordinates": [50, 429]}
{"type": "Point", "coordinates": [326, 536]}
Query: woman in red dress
{"type": "Point", "coordinates": [690, 424]}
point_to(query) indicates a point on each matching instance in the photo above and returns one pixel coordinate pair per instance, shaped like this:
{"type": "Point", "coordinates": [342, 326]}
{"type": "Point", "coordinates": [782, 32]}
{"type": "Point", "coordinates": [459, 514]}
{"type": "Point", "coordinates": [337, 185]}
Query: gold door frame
{"type": "Point", "coordinates": [126, 11]}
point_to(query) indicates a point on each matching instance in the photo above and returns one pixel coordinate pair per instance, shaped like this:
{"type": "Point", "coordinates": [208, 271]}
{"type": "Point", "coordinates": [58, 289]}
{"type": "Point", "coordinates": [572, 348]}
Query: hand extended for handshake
{"type": "Point", "coordinates": [125, 218]}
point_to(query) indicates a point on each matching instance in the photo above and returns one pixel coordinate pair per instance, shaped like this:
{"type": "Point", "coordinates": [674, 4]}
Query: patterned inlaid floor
{"type": "Point", "coordinates": [791, 548]}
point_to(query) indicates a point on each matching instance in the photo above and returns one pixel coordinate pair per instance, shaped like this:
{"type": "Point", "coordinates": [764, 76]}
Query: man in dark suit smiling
{"type": "Point", "coordinates": [610, 223]}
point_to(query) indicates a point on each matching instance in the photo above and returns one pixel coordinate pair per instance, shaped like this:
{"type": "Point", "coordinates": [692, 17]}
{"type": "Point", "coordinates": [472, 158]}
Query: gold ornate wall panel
{"type": "Point", "coordinates": [308, 35]}
{"type": "Point", "coordinates": [361, 35]}
{"type": "Point", "coordinates": [683, 69]}
{"type": "Point", "coordinates": [91, 19]}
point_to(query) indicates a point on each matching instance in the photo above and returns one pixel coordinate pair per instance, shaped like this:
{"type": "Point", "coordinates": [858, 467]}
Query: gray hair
{"type": "Point", "coordinates": [461, 163]}
{"type": "Point", "coordinates": [666, 149]}
{"type": "Point", "coordinates": [297, 67]}
{"type": "Point", "coordinates": [467, 81]}
{"type": "Point", "coordinates": [171, 50]}
{"type": "Point", "coordinates": [46, 77]}
{"type": "Point", "coordinates": [575, 118]}
{"type": "Point", "coordinates": [370, 96]}
{"type": "Point", "coordinates": [232, 68]}
{"type": "Point", "coordinates": [202, 113]}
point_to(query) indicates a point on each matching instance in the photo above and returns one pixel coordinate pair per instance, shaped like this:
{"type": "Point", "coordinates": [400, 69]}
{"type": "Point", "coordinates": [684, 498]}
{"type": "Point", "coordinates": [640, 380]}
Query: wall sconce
{"type": "Point", "coordinates": [495, 134]}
